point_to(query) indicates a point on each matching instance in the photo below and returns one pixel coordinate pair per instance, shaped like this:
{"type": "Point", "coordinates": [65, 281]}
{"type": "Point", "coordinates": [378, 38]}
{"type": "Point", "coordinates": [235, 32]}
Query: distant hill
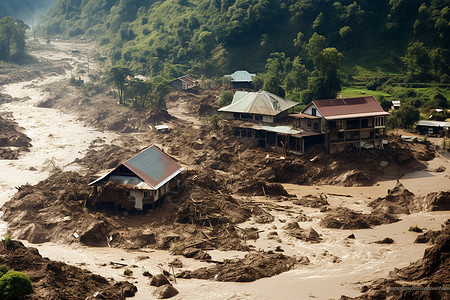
{"type": "Point", "coordinates": [25, 9]}
{"type": "Point", "coordinates": [219, 36]}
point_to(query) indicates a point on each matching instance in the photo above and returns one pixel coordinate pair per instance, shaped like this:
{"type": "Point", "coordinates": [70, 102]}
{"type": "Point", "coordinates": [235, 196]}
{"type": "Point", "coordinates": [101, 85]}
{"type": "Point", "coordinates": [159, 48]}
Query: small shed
{"type": "Point", "coordinates": [184, 83]}
{"type": "Point", "coordinates": [434, 128]}
{"type": "Point", "coordinates": [396, 104]}
{"type": "Point", "coordinates": [140, 181]}
{"type": "Point", "coordinates": [241, 79]}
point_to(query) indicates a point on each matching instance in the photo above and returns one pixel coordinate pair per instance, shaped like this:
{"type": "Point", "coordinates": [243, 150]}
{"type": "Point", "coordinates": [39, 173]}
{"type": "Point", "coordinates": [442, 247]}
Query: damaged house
{"type": "Point", "coordinates": [355, 122]}
{"type": "Point", "coordinates": [139, 182]}
{"type": "Point", "coordinates": [253, 115]}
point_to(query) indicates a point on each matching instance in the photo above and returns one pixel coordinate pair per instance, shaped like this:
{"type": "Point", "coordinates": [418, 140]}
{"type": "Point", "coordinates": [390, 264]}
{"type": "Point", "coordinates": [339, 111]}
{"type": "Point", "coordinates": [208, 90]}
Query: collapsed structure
{"type": "Point", "coordinates": [140, 181]}
{"type": "Point", "coordinates": [335, 123]}
{"type": "Point", "coordinates": [184, 83]}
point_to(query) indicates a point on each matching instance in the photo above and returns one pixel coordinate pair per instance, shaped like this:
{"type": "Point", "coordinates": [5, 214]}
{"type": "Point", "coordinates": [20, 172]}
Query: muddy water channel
{"type": "Point", "coordinates": [338, 265]}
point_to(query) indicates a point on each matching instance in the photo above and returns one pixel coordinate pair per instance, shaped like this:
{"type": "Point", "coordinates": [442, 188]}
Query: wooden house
{"type": "Point", "coordinates": [184, 83]}
{"type": "Point", "coordinates": [434, 128]}
{"type": "Point", "coordinates": [357, 122]}
{"type": "Point", "coordinates": [259, 106]}
{"type": "Point", "coordinates": [140, 181]}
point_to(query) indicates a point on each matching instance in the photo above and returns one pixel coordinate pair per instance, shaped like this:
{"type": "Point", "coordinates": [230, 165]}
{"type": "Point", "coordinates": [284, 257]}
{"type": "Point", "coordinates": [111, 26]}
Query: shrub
{"type": "Point", "coordinates": [8, 241]}
{"type": "Point", "coordinates": [176, 248]}
{"type": "Point", "coordinates": [15, 285]}
{"type": "Point", "coordinates": [127, 272]}
{"type": "Point", "coordinates": [3, 270]}
{"type": "Point", "coordinates": [225, 98]}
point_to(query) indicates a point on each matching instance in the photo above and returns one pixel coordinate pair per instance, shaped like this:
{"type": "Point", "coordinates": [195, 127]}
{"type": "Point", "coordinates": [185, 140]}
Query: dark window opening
{"type": "Point", "coordinates": [313, 111]}
{"type": "Point", "coordinates": [364, 123]}
{"type": "Point", "coordinates": [332, 125]}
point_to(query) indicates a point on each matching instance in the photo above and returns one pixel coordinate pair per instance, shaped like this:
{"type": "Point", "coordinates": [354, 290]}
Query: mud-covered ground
{"type": "Point", "coordinates": [223, 176]}
{"type": "Point", "coordinates": [13, 140]}
{"type": "Point", "coordinates": [56, 280]}
{"type": "Point", "coordinates": [427, 278]}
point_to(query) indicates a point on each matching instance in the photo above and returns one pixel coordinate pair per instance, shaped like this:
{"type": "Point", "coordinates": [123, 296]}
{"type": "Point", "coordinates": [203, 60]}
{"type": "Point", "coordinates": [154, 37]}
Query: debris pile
{"type": "Point", "coordinates": [56, 280]}
{"type": "Point", "coordinates": [253, 266]}
{"type": "Point", "coordinates": [12, 139]}
{"type": "Point", "coordinates": [345, 218]}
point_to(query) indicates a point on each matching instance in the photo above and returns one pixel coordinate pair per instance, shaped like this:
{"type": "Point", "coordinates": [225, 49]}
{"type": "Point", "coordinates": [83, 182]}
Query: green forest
{"type": "Point", "coordinates": [12, 39]}
{"type": "Point", "coordinates": [303, 50]}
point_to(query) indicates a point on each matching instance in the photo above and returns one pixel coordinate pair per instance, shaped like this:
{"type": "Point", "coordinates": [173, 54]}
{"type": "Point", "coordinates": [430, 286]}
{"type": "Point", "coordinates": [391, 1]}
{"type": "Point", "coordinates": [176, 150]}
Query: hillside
{"type": "Point", "coordinates": [215, 37]}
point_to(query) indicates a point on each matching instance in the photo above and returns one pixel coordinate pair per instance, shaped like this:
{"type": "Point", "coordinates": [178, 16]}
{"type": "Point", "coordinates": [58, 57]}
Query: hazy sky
{"type": "Point", "coordinates": [25, 10]}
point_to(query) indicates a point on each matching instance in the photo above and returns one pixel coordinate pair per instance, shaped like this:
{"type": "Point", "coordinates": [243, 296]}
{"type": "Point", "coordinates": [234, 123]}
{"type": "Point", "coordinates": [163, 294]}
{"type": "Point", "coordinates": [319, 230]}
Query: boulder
{"type": "Point", "coordinates": [165, 292]}
{"type": "Point", "coordinates": [159, 280]}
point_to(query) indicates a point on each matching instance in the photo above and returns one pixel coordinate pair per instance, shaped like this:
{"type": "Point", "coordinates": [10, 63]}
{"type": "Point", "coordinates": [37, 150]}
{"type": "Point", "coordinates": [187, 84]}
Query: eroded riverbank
{"type": "Point", "coordinates": [339, 263]}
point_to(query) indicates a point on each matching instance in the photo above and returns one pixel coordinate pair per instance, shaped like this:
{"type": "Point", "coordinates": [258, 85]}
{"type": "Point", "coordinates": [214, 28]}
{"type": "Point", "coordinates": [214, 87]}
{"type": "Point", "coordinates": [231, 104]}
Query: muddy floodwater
{"type": "Point", "coordinates": [339, 266]}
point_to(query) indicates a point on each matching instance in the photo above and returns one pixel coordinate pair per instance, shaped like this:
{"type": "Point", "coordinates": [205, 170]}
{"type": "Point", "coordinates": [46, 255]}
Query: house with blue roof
{"type": "Point", "coordinates": [241, 79]}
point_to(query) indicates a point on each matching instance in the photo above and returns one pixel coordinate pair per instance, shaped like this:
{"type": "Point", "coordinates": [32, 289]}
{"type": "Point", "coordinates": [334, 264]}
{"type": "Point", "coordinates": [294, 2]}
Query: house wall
{"type": "Point", "coordinates": [177, 84]}
{"type": "Point", "coordinates": [310, 124]}
{"type": "Point", "coordinates": [133, 198]}
{"type": "Point", "coordinates": [309, 111]}
{"type": "Point", "coordinates": [357, 131]}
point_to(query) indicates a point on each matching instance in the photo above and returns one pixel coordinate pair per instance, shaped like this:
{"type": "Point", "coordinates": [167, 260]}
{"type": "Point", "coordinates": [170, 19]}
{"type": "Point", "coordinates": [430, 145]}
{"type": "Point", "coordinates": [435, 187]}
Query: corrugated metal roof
{"type": "Point", "coordinates": [241, 76]}
{"type": "Point", "coordinates": [433, 124]}
{"type": "Point", "coordinates": [261, 103]}
{"type": "Point", "coordinates": [346, 107]}
{"type": "Point", "coordinates": [152, 166]}
{"type": "Point", "coordinates": [301, 115]}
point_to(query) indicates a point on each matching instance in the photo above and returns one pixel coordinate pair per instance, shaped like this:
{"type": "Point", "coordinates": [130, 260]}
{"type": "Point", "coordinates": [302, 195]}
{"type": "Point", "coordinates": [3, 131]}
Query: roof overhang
{"type": "Point", "coordinates": [360, 115]}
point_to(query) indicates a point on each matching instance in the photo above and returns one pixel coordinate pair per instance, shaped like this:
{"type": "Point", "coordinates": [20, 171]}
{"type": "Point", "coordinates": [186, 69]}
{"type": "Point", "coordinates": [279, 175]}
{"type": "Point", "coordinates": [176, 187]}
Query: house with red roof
{"type": "Point", "coordinates": [140, 181]}
{"type": "Point", "coordinates": [357, 122]}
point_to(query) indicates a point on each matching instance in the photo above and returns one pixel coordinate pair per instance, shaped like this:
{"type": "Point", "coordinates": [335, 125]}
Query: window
{"type": "Point", "coordinates": [364, 123]}
{"type": "Point", "coordinates": [332, 125]}
{"type": "Point", "coordinates": [258, 118]}
{"type": "Point", "coordinates": [145, 194]}
{"type": "Point", "coordinates": [316, 126]}
{"type": "Point", "coordinates": [127, 193]}
{"type": "Point", "coordinates": [379, 121]}
{"type": "Point", "coordinates": [309, 123]}
{"type": "Point", "coordinates": [341, 125]}
{"type": "Point", "coordinates": [313, 111]}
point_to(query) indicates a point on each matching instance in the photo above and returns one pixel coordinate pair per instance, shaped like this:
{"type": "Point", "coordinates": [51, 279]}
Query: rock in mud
{"type": "Point", "coordinates": [195, 253]}
{"type": "Point", "coordinates": [385, 241]}
{"type": "Point", "coordinates": [312, 201]}
{"type": "Point", "coordinates": [345, 218]}
{"type": "Point", "coordinates": [250, 268]}
{"type": "Point", "coordinates": [354, 178]}
{"type": "Point", "coordinates": [159, 280]}
{"type": "Point", "coordinates": [399, 200]}
{"type": "Point", "coordinates": [440, 169]}
{"type": "Point", "coordinates": [438, 201]}
{"type": "Point", "coordinates": [96, 234]}
{"type": "Point", "coordinates": [165, 292]}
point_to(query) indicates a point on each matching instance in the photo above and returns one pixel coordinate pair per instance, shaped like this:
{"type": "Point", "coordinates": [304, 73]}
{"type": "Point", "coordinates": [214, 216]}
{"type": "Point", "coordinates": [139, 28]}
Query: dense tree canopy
{"type": "Point", "coordinates": [219, 36]}
{"type": "Point", "coordinates": [12, 38]}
